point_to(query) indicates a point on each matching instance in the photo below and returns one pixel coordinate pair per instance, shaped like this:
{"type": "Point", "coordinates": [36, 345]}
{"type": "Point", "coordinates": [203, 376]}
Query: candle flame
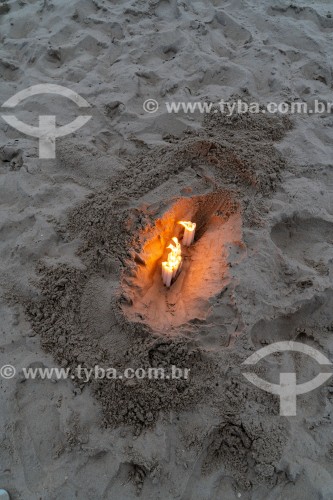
{"type": "Point", "coordinates": [174, 257]}
{"type": "Point", "coordinates": [189, 232]}
{"type": "Point", "coordinates": [171, 266]}
{"type": "Point", "coordinates": [190, 226]}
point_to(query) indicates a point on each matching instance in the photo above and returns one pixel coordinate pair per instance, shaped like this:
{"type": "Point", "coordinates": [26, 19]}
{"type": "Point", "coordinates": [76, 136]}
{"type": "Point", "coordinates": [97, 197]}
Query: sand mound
{"type": "Point", "coordinates": [114, 310]}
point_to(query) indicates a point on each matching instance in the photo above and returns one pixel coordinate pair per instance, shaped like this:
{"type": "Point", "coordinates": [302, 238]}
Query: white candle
{"type": "Point", "coordinates": [189, 232]}
{"type": "Point", "coordinates": [167, 272]}
{"type": "Point", "coordinates": [171, 267]}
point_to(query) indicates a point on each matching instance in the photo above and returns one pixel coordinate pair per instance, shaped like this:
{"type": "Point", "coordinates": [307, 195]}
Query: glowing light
{"type": "Point", "coordinates": [189, 232]}
{"type": "Point", "coordinates": [172, 266]}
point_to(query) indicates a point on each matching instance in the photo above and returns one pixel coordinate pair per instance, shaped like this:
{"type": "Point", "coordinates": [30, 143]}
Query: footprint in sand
{"type": "Point", "coordinates": [306, 241]}
{"type": "Point", "coordinates": [38, 417]}
{"type": "Point", "coordinates": [301, 13]}
{"type": "Point", "coordinates": [315, 312]}
{"type": "Point", "coordinates": [10, 158]}
{"type": "Point", "coordinates": [98, 318]}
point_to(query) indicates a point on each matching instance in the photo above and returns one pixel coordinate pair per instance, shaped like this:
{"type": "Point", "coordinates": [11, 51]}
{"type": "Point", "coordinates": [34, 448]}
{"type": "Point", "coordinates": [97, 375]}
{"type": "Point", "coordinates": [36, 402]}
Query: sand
{"type": "Point", "coordinates": [83, 236]}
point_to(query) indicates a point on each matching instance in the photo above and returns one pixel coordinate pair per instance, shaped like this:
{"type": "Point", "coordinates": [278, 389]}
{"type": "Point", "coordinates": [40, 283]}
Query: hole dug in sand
{"type": "Point", "coordinates": [204, 271]}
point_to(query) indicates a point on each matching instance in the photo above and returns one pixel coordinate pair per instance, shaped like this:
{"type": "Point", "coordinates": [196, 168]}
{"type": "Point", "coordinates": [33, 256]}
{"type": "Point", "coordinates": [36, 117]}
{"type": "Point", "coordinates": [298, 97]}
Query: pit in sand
{"type": "Point", "coordinates": [205, 263]}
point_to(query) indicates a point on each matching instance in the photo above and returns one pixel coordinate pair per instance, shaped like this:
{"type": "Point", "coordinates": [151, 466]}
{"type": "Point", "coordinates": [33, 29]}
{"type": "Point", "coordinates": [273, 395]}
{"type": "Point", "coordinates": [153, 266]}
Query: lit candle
{"type": "Point", "coordinates": [171, 267]}
{"type": "Point", "coordinates": [167, 272]}
{"type": "Point", "coordinates": [189, 232]}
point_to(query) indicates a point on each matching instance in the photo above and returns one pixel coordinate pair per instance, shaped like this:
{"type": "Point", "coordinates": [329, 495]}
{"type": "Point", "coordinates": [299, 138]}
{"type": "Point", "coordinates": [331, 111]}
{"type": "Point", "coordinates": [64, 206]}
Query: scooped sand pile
{"type": "Point", "coordinates": [91, 314]}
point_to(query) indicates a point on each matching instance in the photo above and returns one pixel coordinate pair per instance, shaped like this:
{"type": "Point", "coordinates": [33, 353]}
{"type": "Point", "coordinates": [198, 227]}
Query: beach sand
{"type": "Point", "coordinates": [83, 237]}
